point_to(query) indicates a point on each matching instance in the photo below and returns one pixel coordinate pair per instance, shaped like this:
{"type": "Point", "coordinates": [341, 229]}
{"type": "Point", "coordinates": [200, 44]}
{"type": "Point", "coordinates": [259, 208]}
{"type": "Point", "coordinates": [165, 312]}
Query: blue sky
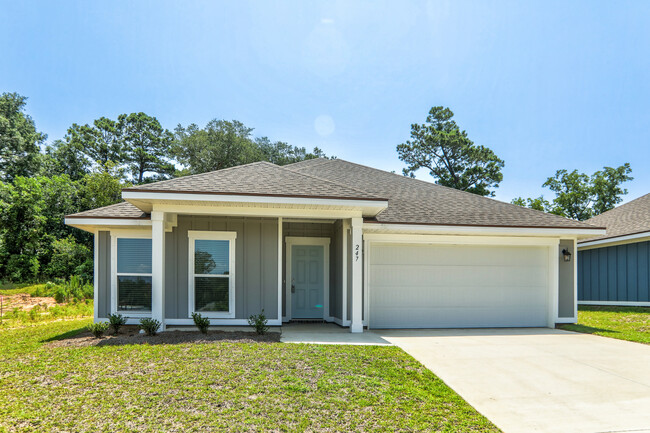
{"type": "Point", "coordinates": [546, 85]}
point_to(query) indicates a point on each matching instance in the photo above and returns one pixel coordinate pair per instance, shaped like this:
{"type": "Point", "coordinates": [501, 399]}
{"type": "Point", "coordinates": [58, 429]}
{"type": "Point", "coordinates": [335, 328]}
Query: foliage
{"type": "Point", "coordinates": [580, 196]}
{"type": "Point", "coordinates": [254, 387]}
{"type": "Point", "coordinates": [203, 323]}
{"type": "Point", "coordinates": [19, 139]}
{"type": "Point", "coordinates": [17, 317]}
{"type": "Point", "coordinates": [146, 144]}
{"type": "Point", "coordinates": [223, 144]}
{"type": "Point", "coordinates": [149, 326]}
{"type": "Point", "coordinates": [259, 323]}
{"type": "Point", "coordinates": [451, 157]}
{"type": "Point", "coordinates": [624, 323]}
{"type": "Point", "coordinates": [97, 329]}
{"type": "Point", "coordinates": [72, 290]}
{"type": "Point", "coordinates": [116, 321]}
{"type": "Point", "coordinates": [70, 258]}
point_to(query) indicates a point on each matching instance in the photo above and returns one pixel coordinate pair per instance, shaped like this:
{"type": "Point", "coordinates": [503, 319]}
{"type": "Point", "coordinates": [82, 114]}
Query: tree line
{"type": "Point", "coordinates": [41, 183]}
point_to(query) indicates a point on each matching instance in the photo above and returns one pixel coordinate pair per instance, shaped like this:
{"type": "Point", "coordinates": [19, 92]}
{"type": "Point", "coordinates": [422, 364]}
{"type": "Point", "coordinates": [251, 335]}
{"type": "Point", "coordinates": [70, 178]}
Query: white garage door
{"type": "Point", "coordinates": [457, 286]}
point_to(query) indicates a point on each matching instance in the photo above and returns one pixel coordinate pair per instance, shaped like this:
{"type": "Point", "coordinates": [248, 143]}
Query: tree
{"type": "Point", "coordinates": [450, 156]}
{"type": "Point", "coordinates": [146, 145]}
{"type": "Point", "coordinates": [101, 187]}
{"type": "Point", "coordinates": [221, 144]}
{"type": "Point", "coordinates": [282, 153]}
{"type": "Point", "coordinates": [580, 196]}
{"type": "Point", "coordinates": [19, 139]}
{"type": "Point", "coordinates": [100, 143]}
{"type": "Point", "coordinates": [64, 157]}
{"type": "Point", "coordinates": [539, 203]}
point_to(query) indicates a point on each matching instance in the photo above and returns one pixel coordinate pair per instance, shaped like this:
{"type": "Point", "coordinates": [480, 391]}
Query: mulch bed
{"type": "Point", "coordinates": [132, 335]}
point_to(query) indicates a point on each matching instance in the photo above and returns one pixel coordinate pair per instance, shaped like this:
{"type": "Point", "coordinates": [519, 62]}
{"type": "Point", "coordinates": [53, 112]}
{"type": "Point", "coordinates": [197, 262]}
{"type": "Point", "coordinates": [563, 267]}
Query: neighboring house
{"type": "Point", "coordinates": [614, 269]}
{"type": "Point", "coordinates": [329, 240]}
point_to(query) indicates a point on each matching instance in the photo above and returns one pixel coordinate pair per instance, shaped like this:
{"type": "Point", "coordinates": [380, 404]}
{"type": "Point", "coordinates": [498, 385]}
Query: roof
{"type": "Point", "coordinates": [122, 210]}
{"type": "Point", "coordinates": [413, 201]}
{"type": "Point", "coordinates": [410, 201]}
{"type": "Point", "coordinates": [627, 219]}
{"type": "Point", "coordinates": [259, 179]}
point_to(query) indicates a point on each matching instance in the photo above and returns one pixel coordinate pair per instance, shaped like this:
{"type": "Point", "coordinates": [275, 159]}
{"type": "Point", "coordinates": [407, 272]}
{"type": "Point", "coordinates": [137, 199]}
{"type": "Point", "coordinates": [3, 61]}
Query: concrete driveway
{"type": "Point", "coordinates": [543, 380]}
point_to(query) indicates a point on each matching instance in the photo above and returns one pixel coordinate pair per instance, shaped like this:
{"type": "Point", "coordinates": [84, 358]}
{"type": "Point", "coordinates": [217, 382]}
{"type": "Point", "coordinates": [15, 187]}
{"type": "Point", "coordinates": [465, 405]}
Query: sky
{"type": "Point", "coordinates": [546, 85]}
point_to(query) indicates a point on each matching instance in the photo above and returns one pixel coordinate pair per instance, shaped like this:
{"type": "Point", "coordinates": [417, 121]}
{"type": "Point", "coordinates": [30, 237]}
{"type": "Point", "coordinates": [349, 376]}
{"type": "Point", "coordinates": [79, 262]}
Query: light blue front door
{"type": "Point", "coordinates": [307, 279]}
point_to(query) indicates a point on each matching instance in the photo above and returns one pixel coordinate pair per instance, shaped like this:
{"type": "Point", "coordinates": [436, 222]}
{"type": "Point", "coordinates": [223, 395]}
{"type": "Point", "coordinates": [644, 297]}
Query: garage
{"type": "Point", "coordinates": [457, 286]}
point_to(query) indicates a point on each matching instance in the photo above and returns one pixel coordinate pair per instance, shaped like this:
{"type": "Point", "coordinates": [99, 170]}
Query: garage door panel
{"type": "Point", "coordinates": [414, 275]}
{"type": "Point", "coordinates": [485, 286]}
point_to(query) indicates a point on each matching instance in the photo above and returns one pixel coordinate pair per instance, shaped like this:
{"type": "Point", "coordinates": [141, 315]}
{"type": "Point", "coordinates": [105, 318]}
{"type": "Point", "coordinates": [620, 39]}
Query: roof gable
{"type": "Point", "coordinates": [630, 218]}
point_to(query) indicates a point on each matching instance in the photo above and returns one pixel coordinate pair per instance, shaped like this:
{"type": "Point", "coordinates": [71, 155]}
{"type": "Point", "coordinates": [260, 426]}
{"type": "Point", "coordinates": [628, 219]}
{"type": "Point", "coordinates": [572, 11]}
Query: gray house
{"type": "Point", "coordinates": [614, 269]}
{"type": "Point", "coordinates": [330, 240]}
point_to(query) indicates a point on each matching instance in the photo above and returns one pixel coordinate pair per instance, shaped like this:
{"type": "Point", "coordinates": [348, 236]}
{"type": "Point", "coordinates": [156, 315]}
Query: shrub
{"type": "Point", "coordinates": [116, 321]}
{"type": "Point", "coordinates": [201, 322]}
{"type": "Point", "coordinates": [149, 326]}
{"type": "Point", "coordinates": [98, 329]}
{"type": "Point", "coordinates": [258, 322]}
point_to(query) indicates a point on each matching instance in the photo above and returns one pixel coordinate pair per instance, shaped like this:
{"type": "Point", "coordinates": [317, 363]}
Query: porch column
{"type": "Point", "coordinates": [356, 324]}
{"type": "Point", "coordinates": [158, 267]}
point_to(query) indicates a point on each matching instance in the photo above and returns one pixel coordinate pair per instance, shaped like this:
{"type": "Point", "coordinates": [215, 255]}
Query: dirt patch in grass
{"type": "Point", "coordinates": [25, 302]}
{"type": "Point", "coordinates": [131, 335]}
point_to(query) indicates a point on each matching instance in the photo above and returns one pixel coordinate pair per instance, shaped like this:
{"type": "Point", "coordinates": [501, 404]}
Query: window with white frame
{"type": "Point", "coordinates": [132, 274]}
{"type": "Point", "coordinates": [212, 273]}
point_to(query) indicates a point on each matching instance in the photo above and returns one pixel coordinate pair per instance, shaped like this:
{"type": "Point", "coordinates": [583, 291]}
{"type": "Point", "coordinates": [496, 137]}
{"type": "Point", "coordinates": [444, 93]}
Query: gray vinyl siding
{"type": "Point", "coordinates": [616, 273]}
{"type": "Point", "coordinates": [566, 301]}
{"type": "Point", "coordinates": [103, 300]}
{"type": "Point", "coordinates": [256, 262]}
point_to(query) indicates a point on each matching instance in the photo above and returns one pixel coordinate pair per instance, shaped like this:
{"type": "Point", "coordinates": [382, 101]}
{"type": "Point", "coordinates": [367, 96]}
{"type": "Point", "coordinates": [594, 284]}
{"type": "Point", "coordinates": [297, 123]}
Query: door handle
{"type": "Point", "coordinates": [293, 288]}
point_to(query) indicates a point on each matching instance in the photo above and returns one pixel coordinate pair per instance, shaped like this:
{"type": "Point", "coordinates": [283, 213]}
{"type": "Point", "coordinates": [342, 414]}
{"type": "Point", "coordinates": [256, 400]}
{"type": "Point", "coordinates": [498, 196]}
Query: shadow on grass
{"type": "Point", "coordinates": [586, 329]}
{"type": "Point", "coordinates": [66, 335]}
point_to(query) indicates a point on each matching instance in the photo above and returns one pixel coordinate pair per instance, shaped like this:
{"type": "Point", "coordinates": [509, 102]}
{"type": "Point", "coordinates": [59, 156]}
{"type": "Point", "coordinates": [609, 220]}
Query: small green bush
{"type": "Point", "coordinates": [259, 323]}
{"type": "Point", "coordinates": [116, 321]}
{"type": "Point", "coordinates": [201, 322]}
{"type": "Point", "coordinates": [149, 326]}
{"type": "Point", "coordinates": [98, 329]}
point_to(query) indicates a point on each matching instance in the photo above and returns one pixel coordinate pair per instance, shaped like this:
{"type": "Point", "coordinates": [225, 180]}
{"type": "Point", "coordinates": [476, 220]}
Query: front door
{"type": "Point", "coordinates": [307, 281]}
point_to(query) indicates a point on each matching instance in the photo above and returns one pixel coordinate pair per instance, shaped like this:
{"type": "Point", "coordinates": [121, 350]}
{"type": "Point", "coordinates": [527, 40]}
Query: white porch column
{"type": "Point", "coordinates": [356, 324]}
{"type": "Point", "coordinates": [158, 267]}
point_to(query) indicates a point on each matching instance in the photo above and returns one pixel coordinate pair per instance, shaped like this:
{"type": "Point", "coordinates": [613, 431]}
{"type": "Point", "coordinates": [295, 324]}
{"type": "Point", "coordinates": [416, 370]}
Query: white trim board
{"type": "Point", "coordinates": [616, 303]}
{"type": "Point", "coordinates": [610, 242]}
{"type": "Point", "coordinates": [290, 241]}
{"type": "Point", "coordinates": [458, 240]}
{"type": "Point", "coordinates": [565, 233]}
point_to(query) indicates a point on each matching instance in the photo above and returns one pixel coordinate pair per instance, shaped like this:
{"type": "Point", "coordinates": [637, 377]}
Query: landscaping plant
{"type": "Point", "coordinates": [150, 326]}
{"type": "Point", "coordinates": [116, 321]}
{"type": "Point", "coordinates": [259, 323]}
{"type": "Point", "coordinates": [98, 329]}
{"type": "Point", "coordinates": [201, 322]}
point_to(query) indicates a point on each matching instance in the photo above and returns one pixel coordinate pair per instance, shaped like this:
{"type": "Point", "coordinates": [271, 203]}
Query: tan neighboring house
{"type": "Point", "coordinates": [614, 269]}
{"type": "Point", "coordinates": [334, 241]}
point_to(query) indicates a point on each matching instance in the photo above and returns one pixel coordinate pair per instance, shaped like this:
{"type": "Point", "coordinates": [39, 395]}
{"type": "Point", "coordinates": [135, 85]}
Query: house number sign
{"type": "Point", "coordinates": [356, 252]}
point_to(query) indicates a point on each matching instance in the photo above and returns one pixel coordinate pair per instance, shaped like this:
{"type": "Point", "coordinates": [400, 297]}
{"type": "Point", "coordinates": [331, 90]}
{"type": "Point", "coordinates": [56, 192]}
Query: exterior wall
{"type": "Point", "coordinates": [615, 274]}
{"type": "Point", "coordinates": [104, 274]}
{"type": "Point", "coordinates": [256, 263]}
{"type": "Point", "coordinates": [317, 230]}
{"type": "Point", "coordinates": [566, 296]}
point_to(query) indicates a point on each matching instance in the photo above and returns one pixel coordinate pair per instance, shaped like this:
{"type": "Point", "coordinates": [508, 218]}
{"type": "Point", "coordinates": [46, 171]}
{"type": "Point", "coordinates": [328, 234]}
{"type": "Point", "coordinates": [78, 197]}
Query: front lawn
{"type": "Point", "coordinates": [218, 387]}
{"type": "Point", "coordinates": [624, 323]}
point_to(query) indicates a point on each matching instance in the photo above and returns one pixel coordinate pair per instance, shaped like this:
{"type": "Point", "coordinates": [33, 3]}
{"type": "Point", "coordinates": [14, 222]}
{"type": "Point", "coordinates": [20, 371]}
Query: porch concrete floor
{"type": "Point", "coordinates": [328, 333]}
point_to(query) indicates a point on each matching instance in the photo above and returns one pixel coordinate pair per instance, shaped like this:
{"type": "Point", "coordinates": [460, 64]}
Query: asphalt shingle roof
{"type": "Point", "coordinates": [627, 219]}
{"type": "Point", "coordinates": [259, 178]}
{"type": "Point", "coordinates": [410, 201]}
{"type": "Point", "coordinates": [119, 210]}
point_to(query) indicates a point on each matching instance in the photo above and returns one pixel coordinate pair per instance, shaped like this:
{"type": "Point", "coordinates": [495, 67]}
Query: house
{"type": "Point", "coordinates": [614, 269]}
{"type": "Point", "coordinates": [329, 240]}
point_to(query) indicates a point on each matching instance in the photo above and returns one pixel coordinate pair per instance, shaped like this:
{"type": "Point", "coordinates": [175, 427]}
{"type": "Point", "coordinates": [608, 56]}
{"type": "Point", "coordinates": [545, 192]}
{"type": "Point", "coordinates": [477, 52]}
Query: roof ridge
{"type": "Point", "coordinates": [205, 173]}
{"type": "Point", "coordinates": [332, 182]}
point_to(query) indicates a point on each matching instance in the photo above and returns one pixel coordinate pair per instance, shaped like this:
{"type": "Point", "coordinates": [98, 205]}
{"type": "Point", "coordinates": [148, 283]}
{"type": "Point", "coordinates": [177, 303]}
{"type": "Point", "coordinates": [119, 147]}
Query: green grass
{"type": "Point", "coordinates": [15, 317]}
{"type": "Point", "coordinates": [624, 323]}
{"type": "Point", "coordinates": [218, 387]}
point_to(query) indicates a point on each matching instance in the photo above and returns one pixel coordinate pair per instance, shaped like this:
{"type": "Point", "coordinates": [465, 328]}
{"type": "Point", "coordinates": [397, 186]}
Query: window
{"type": "Point", "coordinates": [131, 279]}
{"type": "Point", "coordinates": [212, 273]}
